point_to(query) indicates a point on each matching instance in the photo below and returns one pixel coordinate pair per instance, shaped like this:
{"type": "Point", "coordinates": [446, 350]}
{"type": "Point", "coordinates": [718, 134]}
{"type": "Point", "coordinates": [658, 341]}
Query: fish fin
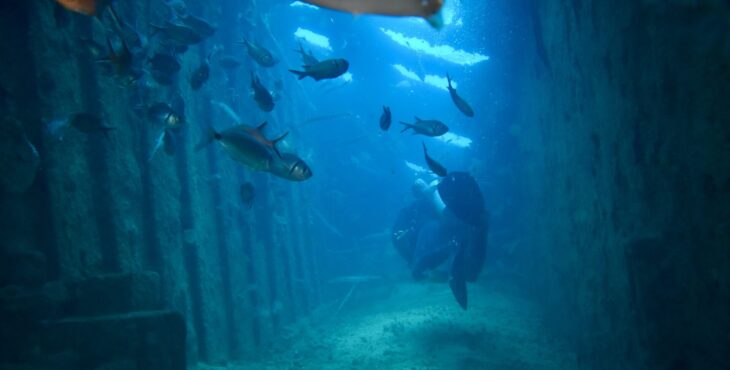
{"type": "Point", "coordinates": [260, 127]}
{"type": "Point", "coordinates": [276, 141]}
{"type": "Point", "coordinates": [417, 119]}
{"type": "Point", "coordinates": [299, 74]}
{"type": "Point", "coordinates": [408, 126]}
{"type": "Point", "coordinates": [448, 78]}
{"type": "Point", "coordinates": [158, 144]}
{"type": "Point", "coordinates": [437, 20]}
{"type": "Point", "coordinates": [425, 151]}
{"type": "Point", "coordinates": [209, 136]}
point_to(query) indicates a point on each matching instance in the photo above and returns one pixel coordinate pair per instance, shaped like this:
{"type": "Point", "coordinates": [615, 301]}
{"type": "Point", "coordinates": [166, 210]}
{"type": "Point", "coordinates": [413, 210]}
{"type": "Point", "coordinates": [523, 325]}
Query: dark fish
{"type": "Point", "coordinates": [259, 54]}
{"type": "Point", "coordinates": [164, 114]}
{"type": "Point", "coordinates": [431, 128]}
{"type": "Point", "coordinates": [248, 194]}
{"type": "Point", "coordinates": [200, 75]}
{"type": "Point", "coordinates": [461, 194]}
{"type": "Point", "coordinates": [241, 146]}
{"type": "Point", "coordinates": [385, 119]}
{"type": "Point", "coordinates": [331, 68]}
{"type": "Point", "coordinates": [290, 167]}
{"type": "Point", "coordinates": [434, 166]}
{"type": "Point", "coordinates": [261, 95]}
{"type": "Point", "coordinates": [228, 62]}
{"type": "Point", "coordinates": [164, 63]}
{"type": "Point", "coordinates": [459, 101]}
{"type": "Point", "coordinates": [427, 9]}
{"type": "Point", "coordinates": [201, 26]}
{"type": "Point", "coordinates": [308, 58]}
{"type": "Point", "coordinates": [174, 34]}
{"type": "Point", "coordinates": [89, 124]}
{"type": "Point", "coordinates": [122, 62]}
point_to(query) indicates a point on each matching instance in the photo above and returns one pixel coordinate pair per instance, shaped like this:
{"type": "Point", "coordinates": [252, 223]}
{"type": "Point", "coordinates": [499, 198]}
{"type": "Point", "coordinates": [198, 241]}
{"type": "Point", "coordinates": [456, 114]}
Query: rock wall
{"type": "Point", "coordinates": [625, 129]}
{"type": "Point", "coordinates": [97, 205]}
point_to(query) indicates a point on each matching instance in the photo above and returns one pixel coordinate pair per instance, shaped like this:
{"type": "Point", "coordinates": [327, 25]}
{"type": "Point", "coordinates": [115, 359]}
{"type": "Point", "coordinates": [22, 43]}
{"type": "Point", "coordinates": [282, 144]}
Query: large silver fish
{"type": "Point", "coordinates": [290, 167]}
{"type": "Point", "coordinates": [427, 9]}
{"type": "Point", "coordinates": [242, 147]}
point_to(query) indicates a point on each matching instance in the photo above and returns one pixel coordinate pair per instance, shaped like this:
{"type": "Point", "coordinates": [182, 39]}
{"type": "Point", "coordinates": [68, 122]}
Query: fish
{"type": "Point", "coordinates": [385, 119]}
{"type": "Point", "coordinates": [431, 128]}
{"type": "Point", "coordinates": [228, 62]}
{"type": "Point", "coordinates": [201, 26]}
{"type": "Point", "coordinates": [261, 95]}
{"type": "Point", "coordinates": [327, 69]}
{"type": "Point", "coordinates": [163, 113]}
{"type": "Point", "coordinates": [460, 103]}
{"type": "Point", "coordinates": [200, 75]}
{"type": "Point", "coordinates": [434, 166]}
{"type": "Point", "coordinates": [307, 57]}
{"type": "Point", "coordinates": [164, 63]}
{"type": "Point", "coordinates": [427, 9]}
{"type": "Point", "coordinates": [122, 62]}
{"type": "Point", "coordinates": [86, 7]}
{"type": "Point", "coordinates": [173, 34]}
{"type": "Point", "coordinates": [89, 123]}
{"type": "Point", "coordinates": [291, 167]}
{"type": "Point", "coordinates": [259, 54]}
{"type": "Point", "coordinates": [461, 194]}
{"type": "Point", "coordinates": [258, 133]}
{"type": "Point", "coordinates": [241, 147]}
{"type": "Point", "coordinates": [248, 194]}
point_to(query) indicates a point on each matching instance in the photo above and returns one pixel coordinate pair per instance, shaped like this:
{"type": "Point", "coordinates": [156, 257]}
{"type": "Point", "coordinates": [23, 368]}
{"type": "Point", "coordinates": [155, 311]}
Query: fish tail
{"type": "Point", "coordinates": [448, 78]}
{"type": "Point", "coordinates": [299, 74]}
{"type": "Point", "coordinates": [209, 136]}
{"type": "Point", "coordinates": [408, 126]}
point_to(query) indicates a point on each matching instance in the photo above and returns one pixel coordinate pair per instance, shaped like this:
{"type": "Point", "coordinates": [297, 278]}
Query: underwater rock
{"type": "Point", "coordinates": [19, 159]}
{"type": "Point", "coordinates": [154, 339]}
{"type": "Point", "coordinates": [116, 293]}
{"type": "Point", "coordinates": [22, 267]}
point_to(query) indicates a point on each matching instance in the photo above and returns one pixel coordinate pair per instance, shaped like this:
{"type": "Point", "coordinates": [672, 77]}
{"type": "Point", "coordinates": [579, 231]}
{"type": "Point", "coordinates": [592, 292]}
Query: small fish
{"type": "Point", "coordinates": [307, 57]}
{"type": "Point", "coordinates": [427, 9]}
{"type": "Point", "coordinates": [174, 34]}
{"type": "Point", "coordinates": [385, 119]}
{"type": "Point", "coordinates": [261, 95]}
{"type": "Point", "coordinates": [241, 147]}
{"type": "Point", "coordinates": [431, 128]}
{"type": "Point", "coordinates": [89, 124]}
{"type": "Point", "coordinates": [331, 68]}
{"type": "Point", "coordinates": [460, 103]}
{"type": "Point", "coordinates": [164, 63]}
{"type": "Point", "coordinates": [229, 62]}
{"type": "Point", "coordinates": [259, 54]}
{"type": "Point", "coordinates": [163, 113]}
{"type": "Point", "coordinates": [434, 166]}
{"type": "Point", "coordinates": [291, 167]}
{"type": "Point", "coordinates": [122, 62]}
{"type": "Point", "coordinates": [200, 75]}
{"type": "Point", "coordinates": [248, 194]}
{"type": "Point", "coordinates": [201, 26]}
